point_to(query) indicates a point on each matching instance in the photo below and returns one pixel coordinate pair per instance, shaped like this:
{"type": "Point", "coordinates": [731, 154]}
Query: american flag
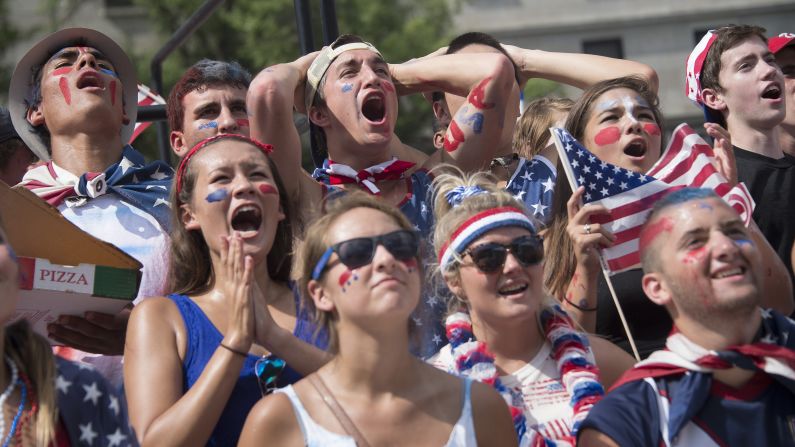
{"type": "Point", "coordinates": [146, 97]}
{"type": "Point", "coordinates": [688, 161]}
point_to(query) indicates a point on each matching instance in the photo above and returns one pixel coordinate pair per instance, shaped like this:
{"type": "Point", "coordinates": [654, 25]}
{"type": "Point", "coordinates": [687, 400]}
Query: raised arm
{"type": "Point", "coordinates": [486, 80]}
{"type": "Point", "coordinates": [272, 96]}
{"type": "Point", "coordinates": [577, 69]}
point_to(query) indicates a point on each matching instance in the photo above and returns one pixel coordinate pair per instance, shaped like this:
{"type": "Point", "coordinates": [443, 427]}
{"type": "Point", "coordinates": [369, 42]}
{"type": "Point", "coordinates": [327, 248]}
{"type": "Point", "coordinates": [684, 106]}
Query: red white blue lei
{"type": "Point", "coordinates": [570, 349]}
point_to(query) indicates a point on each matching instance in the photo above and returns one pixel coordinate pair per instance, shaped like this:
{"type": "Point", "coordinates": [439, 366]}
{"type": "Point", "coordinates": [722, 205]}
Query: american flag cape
{"type": "Point", "coordinates": [686, 162]}
{"type": "Point", "coordinates": [146, 97]}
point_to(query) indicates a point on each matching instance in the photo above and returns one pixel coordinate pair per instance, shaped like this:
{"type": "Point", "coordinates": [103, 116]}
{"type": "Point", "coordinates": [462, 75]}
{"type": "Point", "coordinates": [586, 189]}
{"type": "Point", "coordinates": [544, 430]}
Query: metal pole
{"type": "Point", "coordinates": [328, 13]}
{"type": "Point", "coordinates": [156, 67]}
{"type": "Point", "coordinates": [304, 24]}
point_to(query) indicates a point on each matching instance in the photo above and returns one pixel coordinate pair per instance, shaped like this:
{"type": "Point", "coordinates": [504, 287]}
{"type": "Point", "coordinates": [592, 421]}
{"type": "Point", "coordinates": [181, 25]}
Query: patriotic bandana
{"type": "Point", "coordinates": [334, 173]}
{"type": "Point", "coordinates": [772, 353]}
{"type": "Point", "coordinates": [144, 186]}
{"type": "Point", "coordinates": [570, 350]}
{"type": "Point", "coordinates": [476, 226]}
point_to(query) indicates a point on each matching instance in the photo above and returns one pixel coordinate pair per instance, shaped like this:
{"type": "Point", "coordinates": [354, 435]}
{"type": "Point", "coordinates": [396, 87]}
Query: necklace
{"type": "Point", "coordinates": [20, 411]}
{"type": "Point", "coordinates": [7, 392]}
{"type": "Point", "coordinates": [570, 349]}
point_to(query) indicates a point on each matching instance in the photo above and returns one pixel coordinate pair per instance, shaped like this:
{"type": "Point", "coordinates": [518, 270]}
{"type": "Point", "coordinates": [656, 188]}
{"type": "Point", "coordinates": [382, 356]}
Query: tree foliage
{"type": "Point", "coordinates": [260, 33]}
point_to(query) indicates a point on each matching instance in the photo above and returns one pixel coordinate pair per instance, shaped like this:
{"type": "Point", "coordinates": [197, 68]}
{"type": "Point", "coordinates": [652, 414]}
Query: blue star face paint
{"type": "Point", "coordinates": [208, 125]}
{"type": "Point", "coordinates": [346, 88]}
{"type": "Point", "coordinates": [217, 195]}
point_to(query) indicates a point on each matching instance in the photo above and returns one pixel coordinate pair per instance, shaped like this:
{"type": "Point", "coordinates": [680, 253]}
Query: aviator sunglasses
{"type": "Point", "coordinates": [355, 253]}
{"type": "Point", "coordinates": [490, 257]}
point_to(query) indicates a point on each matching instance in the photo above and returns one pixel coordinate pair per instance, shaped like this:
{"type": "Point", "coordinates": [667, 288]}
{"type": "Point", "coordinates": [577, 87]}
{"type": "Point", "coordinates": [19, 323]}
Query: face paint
{"type": "Point", "coordinates": [651, 231]}
{"type": "Point", "coordinates": [744, 243]}
{"type": "Point", "coordinates": [608, 135]}
{"type": "Point", "coordinates": [477, 95]}
{"type": "Point", "coordinates": [267, 189]}
{"type": "Point", "coordinates": [651, 129]}
{"type": "Point", "coordinates": [113, 93]}
{"type": "Point", "coordinates": [347, 278]}
{"type": "Point", "coordinates": [108, 72]}
{"type": "Point", "coordinates": [476, 121]}
{"type": "Point", "coordinates": [67, 95]}
{"type": "Point", "coordinates": [208, 125]}
{"type": "Point", "coordinates": [61, 71]}
{"type": "Point", "coordinates": [217, 195]}
{"type": "Point", "coordinates": [242, 122]}
{"type": "Point", "coordinates": [696, 256]}
{"type": "Point", "coordinates": [411, 264]}
{"type": "Point", "coordinates": [454, 137]}
{"type": "Point", "coordinates": [346, 88]}
{"type": "Point", "coordinates": [388, 86]}
{"type": "Point", "coordinates": [629, 109]}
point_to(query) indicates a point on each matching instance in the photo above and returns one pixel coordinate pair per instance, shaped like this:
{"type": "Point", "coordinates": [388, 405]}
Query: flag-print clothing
{"type": "Point", "coordinates": [532, 183]}
{"type": "Point", "coordinates": [417, 206]}
{"type": "Point", "coordinates": [536, 388]}
{"type": "Point", "coordinates": [204, 339]}
{"type": "Point", "coordinates": [671, 398]}
{"type": "Point", "coordinates": [92, 412]}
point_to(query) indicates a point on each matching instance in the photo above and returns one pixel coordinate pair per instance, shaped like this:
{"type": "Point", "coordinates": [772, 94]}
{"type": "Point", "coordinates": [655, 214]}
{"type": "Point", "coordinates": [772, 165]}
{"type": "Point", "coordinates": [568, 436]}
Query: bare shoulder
{"type": "Point", "coordinates": [611, 360]}
{"type": "Point", "coordinates": [155, 310]}
{"type": "Point", "coordinates": [272, 422]}
{"type": "Point", "coordinates": [591, 437]}
{"type": "Point", "coordinates": [492, 419]}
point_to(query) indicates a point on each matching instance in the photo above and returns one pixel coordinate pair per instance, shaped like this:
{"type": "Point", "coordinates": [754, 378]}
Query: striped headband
{"type": "Point", "coordinates": [183, 164]}
{"type": "Point", "coordinates": [479, 224]}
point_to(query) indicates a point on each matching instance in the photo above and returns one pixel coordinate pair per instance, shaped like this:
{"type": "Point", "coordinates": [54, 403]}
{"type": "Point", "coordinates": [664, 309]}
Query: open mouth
{"type": "Point", "coordinates": [90, 79]}
{"type": "Point", "coordinates": [636, 148]}
{"type": "Point", "coordinates": [374, 107]}
{"type": "Point", "coordinates": [772, 92]}
{"type": "Point", "coordinates": [736, 271]}
{"type": "Point", "coordinates": [512, 289]}
{"type": "Point", "coordinates": [247, 218]}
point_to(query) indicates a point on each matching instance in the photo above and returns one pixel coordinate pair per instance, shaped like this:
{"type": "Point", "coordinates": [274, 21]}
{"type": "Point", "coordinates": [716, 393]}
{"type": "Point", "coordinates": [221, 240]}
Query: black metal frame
{"type": "Point", "coordinates": [303, 20]}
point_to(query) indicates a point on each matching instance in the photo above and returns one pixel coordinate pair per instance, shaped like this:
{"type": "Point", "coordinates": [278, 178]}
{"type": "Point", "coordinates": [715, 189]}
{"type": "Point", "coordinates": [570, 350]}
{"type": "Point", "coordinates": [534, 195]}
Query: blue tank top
{"type": "Point", "coordinates": [533, 183]}
{"type": "Point", "coordinates": [203, 340]}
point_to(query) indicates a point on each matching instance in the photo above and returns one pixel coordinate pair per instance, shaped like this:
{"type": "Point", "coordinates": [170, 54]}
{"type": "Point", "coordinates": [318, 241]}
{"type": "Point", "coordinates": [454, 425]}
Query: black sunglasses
{"type": "Point", "coordinates": [490, 257]}
{"type": "Point", "coordinates": [355, 253]}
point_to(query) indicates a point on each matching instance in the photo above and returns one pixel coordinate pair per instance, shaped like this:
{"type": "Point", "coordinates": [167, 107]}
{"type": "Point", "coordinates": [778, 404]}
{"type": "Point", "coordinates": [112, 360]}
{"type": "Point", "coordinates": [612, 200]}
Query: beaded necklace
{"type": "Point", "coordinates": [7, 392]}
{"type": "Point", "coordinates": [570, 349]}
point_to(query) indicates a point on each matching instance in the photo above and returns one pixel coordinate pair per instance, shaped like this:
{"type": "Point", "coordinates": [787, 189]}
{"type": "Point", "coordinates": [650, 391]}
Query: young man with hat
{"type": "Point", "coordinates": [784, 49]}
{"type": "Point", "coordinates": [73, 100]}
{"type": "Point", "coordinates": [734, 77]}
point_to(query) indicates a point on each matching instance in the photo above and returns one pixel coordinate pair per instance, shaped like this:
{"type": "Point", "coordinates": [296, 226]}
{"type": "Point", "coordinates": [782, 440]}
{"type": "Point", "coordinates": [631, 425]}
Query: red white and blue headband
{"type": "Point", "coordinates": [478, 225]}
{"type": "Point", "coordinates": [183, 164]}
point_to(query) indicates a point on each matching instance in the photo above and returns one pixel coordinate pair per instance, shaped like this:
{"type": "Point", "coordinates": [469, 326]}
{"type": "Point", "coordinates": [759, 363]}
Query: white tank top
{"type": "Point", "coordinates": [463, 434]}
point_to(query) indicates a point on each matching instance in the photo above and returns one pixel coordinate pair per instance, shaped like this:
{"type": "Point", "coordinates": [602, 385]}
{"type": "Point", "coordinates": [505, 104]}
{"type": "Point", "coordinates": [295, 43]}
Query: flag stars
{"type": "Point", "coordinates": [114, 404]}
{"type": "Point", "coordinates": [586, 169]}
{"type": "Point", "coordinates": [587, 197]}
{"type": "Point", "coordinates": [592, 186]}
{"type": "Point", "coordinates": [604, 165]}
{"type": "Point", "coordinates": [157, 175]}
{"type": "Point", "coordinates": [162, 201]}
{"type": "Point", "coordinates": [598, 175]}
{"type": "Point", "coordinates": [623, 185]}
{"type": "Point", "coordinates": [125, 164]}
{"type": "Point", "coordinates": [92, 393]}
{"type": "Point", "coordinates": [548, 184]}
{"type": "Point", "coordinates": [604, 192]}
{"type": "Point", "coordinates": [87, 434]}
{"type": "Point", "coordinates": [116, 438]}
{"type": "Point", "coordinates": [538, 209]}
{"type": "Point", "coordinates": [527, 176]}
{"type": "Point", "coordinates": [610, 181]}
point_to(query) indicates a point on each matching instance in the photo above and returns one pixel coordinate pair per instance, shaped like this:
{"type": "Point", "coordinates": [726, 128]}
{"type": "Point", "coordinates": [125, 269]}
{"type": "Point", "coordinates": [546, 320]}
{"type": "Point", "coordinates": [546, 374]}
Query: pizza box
{"type": "Point", "coordinates": [63, 269]}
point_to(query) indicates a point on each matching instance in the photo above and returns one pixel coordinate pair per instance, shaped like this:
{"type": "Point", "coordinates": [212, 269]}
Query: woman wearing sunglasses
{"type": "Point", "coordinates": [359, 270]}
{"type": "Point", "coordinates": [191, 358]}
{"type": "Point", "coordinates": [502, 328]}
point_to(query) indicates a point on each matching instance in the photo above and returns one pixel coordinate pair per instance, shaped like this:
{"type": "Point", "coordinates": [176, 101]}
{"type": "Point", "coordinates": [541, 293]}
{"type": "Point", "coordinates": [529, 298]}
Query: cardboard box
{"type": "Point", "coordinates": [64, 270]}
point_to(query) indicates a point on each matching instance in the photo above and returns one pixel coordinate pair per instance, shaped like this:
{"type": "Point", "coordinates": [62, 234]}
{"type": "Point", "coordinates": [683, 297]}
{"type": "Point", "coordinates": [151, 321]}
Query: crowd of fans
{"type": "Point", "coordinates": [455, 296]}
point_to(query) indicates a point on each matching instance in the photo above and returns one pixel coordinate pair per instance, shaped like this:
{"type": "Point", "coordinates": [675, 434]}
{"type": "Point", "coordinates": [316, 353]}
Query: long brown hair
{"type": "Point", "coordinates": [190, 269]}
{"type": "Point", "coordinates": [561, 261]}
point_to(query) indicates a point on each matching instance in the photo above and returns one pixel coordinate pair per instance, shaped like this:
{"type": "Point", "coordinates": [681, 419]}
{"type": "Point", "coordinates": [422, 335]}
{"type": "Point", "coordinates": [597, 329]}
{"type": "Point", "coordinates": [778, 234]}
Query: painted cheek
{"type": "Point", "coordinates": [651, 129]}
{"type": "Point", "coordinates": [267, 189]}
{"type": "Point", "coordinates": [108, 72]}
{"type": "Point", "coordinates": [61, 71]}
{"type": "Point", "coordinates": [217, 195]}
{"type": "Point", "coordinates": [411, 264]}
{"type": "Point", "coordinates": [208, 125]}
{"type": "Point", "coordinates": [650, 232]}
{"type": "Point", "coordinates": [389, 87]}
{"type": "Point", "coordinates": [113, 93]}
{"type": "Point", "coordinates": [242, 123]}
{"type": "Point", "coordinates": [608, 135]}
{"type": "Point", "coordinates": [695, 256]}
{"type": "Point", "coordinates": [477, 95]}
{"type": "Point", "coordinates": [346, 88]}
{"type": "Point", "coordinates": [347, 278]}
{"type": "Point", "coordinates": [67, 94]}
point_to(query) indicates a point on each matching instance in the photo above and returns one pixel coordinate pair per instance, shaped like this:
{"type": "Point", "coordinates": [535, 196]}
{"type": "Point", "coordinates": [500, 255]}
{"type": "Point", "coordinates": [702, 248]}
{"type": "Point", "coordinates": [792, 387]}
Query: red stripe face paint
{"type": "Point", "coordinates": [477, 95]}
{"type": "Point", "coordinates": [242, 123]}
{"type": "Point", "coordinates": [651, 129]}
{"type": "Point", "coordinates": [608, 135]}
{"type": "Point", "coordinates": [454, 137]}
{"type": "Point", "coordinates": [389, 87]}
{"type": "Point", "coordinates": [696, 256]}
{"type": "Point", "coordinates": [267, 189]}
{"type": "Point", "coordinates": [651, 231]}
{"type": "Point", "coordinates": [61, 71]}
{"type": "Point", "coordinates": [344, 277]}
{"type": "Point", "coordinates": [411, 264]}
{"type": "Point", "coordinates": [113, 93]}
{"type": "Point", "coordinates": [67, 94]}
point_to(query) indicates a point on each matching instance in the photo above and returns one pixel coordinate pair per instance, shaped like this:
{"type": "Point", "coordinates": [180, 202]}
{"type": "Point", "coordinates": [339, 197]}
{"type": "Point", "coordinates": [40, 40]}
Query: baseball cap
{"type": "Point", "coordinates": [20, 86]}
{"type": "Point", "coordinates": [775, 44]}
{"type": "Point", "coordinates": [695, 63]}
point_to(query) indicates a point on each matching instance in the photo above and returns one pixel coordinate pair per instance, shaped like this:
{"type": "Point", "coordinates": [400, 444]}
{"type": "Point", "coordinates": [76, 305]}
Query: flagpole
{"type": "Point", "coordinates": [572, 183]}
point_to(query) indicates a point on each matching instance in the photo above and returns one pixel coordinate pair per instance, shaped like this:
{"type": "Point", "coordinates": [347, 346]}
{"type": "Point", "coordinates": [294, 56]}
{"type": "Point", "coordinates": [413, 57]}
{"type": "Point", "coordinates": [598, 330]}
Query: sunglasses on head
{"type": "Point", "coordinates": [355, 253]}
{"type": "Point", "coordinates": [268, 369]}
{"type": "Point", "coordinates": [490, 257]}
